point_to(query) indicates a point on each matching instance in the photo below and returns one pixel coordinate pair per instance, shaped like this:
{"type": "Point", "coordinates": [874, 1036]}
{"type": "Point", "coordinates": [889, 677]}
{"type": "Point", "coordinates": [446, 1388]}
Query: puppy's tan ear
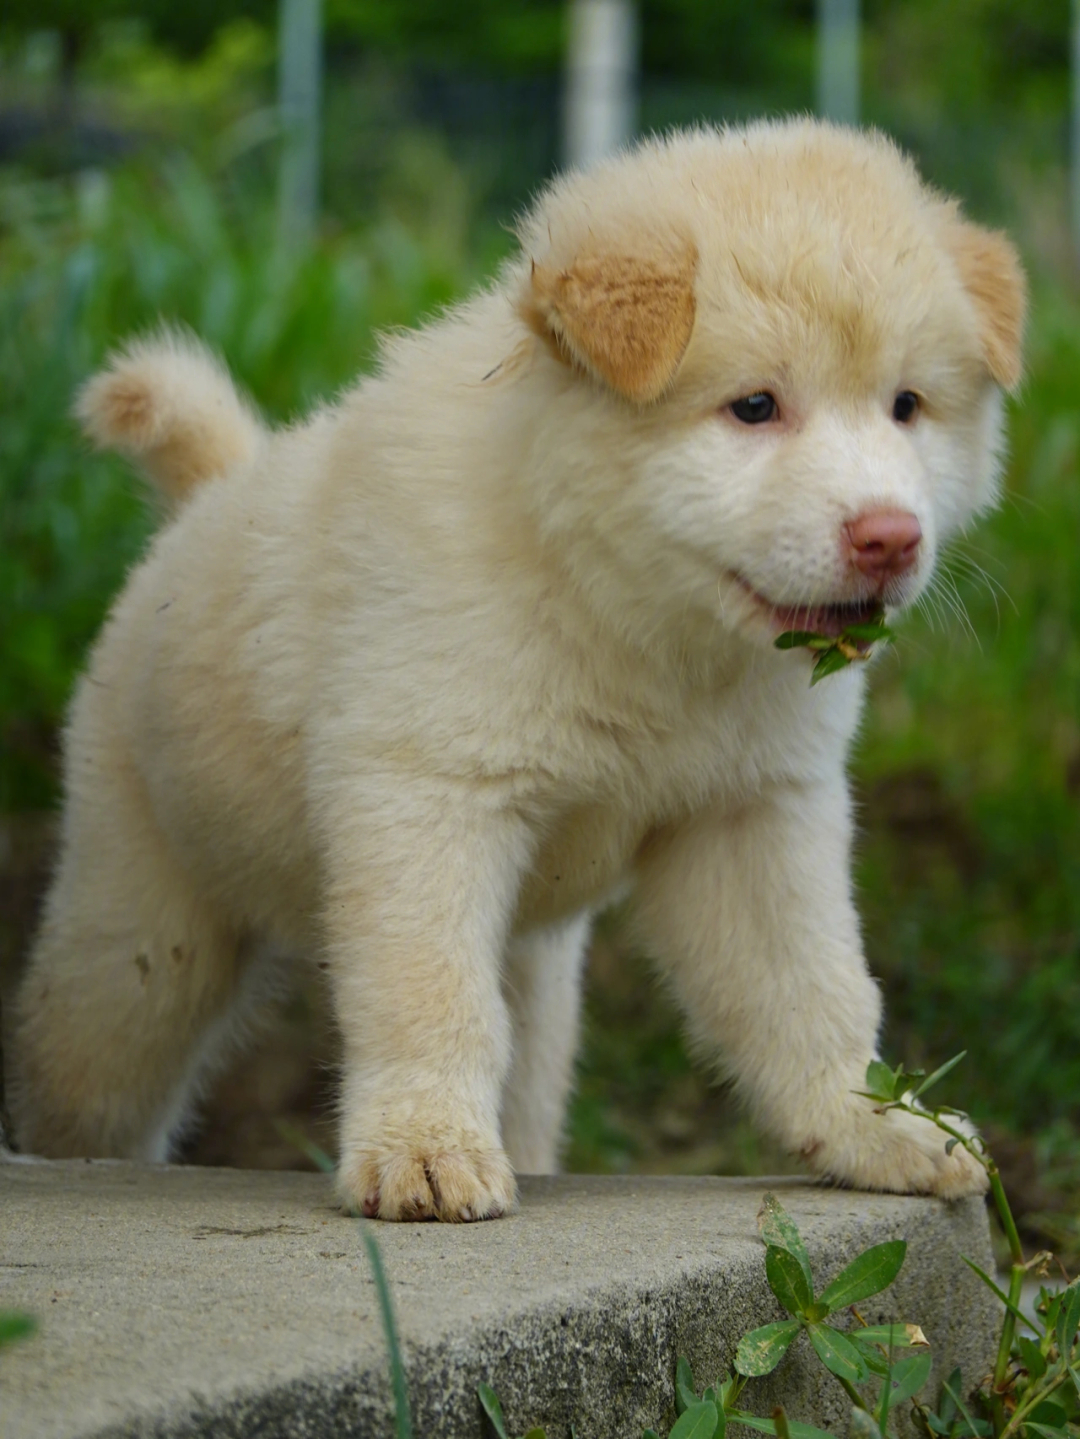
{"type": "Point", "coordinates": [994, 278]}
{"type": "Point", "coordinates": [626, 319]}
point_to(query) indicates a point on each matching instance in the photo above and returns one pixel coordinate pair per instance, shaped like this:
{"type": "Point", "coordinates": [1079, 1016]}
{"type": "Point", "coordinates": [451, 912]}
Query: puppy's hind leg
{"type": "Point", "coordinates": [542, 984]}
{"type": "Point", "coordinates": [129, 996]}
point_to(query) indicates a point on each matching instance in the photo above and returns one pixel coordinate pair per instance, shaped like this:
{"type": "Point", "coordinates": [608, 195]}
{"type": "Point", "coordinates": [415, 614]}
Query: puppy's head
{"type": "Point", "coordinates": [777, 360]}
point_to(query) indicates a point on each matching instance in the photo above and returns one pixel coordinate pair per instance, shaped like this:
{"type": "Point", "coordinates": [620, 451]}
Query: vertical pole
{"type": "Point", "coordinates": [601, 79]}
{"type": "Point", "coordinates": [1074, 137]}
{"type": "Point", "coordinates": [838, 60]}
{"type": "Point", "coordinates": [299, 87]}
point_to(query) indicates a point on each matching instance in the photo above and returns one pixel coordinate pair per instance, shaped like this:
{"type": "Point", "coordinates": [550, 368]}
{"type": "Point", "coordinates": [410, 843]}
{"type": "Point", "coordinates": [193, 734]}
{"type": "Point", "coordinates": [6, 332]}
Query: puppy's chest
{"type": "Point", "coordinates": [582, 860]}
{"type": "Point", "coordinates": [586, 844]}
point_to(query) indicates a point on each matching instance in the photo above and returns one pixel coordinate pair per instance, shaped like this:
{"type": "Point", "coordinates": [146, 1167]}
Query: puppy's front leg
{"type": "Point", "coordinates": [422, 886]}
{"type": "Point", "coordinates": [752, 915]}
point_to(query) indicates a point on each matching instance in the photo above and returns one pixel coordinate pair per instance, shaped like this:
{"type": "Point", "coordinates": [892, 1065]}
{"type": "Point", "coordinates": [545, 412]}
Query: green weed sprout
{"type": "Point", "coordinates": [836, 652]}
{"type": "Point", "coordinates": [859, 1356]}
{"type": "Point", "coordinates": [1034, 1391]}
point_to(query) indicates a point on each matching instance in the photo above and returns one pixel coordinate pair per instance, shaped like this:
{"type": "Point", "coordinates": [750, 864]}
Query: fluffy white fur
{"type": "Point", "coordinates": [419, 685]}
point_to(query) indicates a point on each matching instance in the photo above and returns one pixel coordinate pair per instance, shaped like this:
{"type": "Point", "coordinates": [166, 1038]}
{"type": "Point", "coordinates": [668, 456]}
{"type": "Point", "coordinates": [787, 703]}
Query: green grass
{"type": "Point", "coordinates": [86, 263]}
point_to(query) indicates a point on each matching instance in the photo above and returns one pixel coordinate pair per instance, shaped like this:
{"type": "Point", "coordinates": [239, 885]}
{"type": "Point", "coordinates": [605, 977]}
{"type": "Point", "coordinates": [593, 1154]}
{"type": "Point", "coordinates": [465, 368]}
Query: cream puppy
{"type": "Point", "coordinates": [417, 686]}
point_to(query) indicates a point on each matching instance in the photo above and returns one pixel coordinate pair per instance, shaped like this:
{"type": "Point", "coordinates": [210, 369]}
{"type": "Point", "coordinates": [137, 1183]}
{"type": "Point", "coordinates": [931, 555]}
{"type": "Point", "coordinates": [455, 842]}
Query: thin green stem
{"type": "Point", "coordinates": [959, 1402]}
{"type": "Point", "coordinates": [1023, 1410]}
{"type": "Point", "coordinates": [1002, 1427]}
{"type": "Point", "coordinates": [997, 1415]}
{"type": "Point", "coordinates": [971, 1145]}
{"type": "Point", "coordinates": [1008, 1327]}
{"type": "Point", "coordinates": [997, 1189]}
{"type": "Point", "coordinates": [1016, 1285]}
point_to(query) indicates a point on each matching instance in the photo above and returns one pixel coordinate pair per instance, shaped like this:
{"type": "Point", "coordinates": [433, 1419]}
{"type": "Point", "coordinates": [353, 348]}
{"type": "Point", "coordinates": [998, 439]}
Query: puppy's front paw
{"type": "Point", "coordinates": [453, 1185]}
{"type": "Point", "coordinates": [897, 1152]}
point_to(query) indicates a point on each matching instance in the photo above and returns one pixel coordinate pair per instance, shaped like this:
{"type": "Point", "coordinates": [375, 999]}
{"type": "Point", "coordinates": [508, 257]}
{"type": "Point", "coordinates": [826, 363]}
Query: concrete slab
{"type": "Point", "coordinates": [177, 1302]}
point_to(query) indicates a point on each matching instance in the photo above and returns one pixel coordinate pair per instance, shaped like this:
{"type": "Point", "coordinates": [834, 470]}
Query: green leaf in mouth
{"type": "Point", "coordinates": [836, 652]}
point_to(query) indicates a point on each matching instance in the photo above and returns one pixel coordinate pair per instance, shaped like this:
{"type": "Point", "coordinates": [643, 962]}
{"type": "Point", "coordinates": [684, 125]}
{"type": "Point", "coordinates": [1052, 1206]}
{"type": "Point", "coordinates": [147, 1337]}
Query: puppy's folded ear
{"type": "Point", "coordinates": [626, 319]}
{"type": "Point", "coordinates": [994, 278]}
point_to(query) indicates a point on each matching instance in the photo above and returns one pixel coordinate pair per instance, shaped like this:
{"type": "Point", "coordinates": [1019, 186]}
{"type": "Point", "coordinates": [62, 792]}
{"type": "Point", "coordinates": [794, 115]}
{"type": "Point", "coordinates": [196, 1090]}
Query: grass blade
{"type": "Point", "coordinates": [1000, 1293]}
{"type": "Point", "coordinates": [295, 1136]}
{"type": "Point", "coordinates": [14, 1325]}
{"type": "Point", "coordinates": [402, 1419]}
{"type": "Point", "coordinates": [955, 1397]}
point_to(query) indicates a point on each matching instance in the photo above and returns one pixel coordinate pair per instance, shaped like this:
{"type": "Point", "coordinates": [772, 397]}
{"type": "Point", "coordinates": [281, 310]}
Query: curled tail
{"type": "Point", "coordinates": [169, 405]}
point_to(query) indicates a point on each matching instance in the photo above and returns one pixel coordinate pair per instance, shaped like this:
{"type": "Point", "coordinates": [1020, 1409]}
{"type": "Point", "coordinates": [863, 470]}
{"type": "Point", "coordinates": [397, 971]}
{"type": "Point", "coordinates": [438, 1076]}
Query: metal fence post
{"type": "Point", "coordinates": [1074, 136]}
{"type": "Point", "coordinates": [299, 87]}
{"type": "Point", "coordinates": [601, 79]}
{"type": "Point", "coordinates": [838, 60]}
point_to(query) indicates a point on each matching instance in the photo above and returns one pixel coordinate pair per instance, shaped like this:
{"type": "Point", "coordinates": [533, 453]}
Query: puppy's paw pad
{"type": "Point", "coordinates": [472, 1184]}
{"type": "Point", "coordinates": [899, 1153]}
{"type": "Point", "coordinates": [453, 1185]}
{"type": "Point", "coordinates": [957, 1175]}
{"type": "Point", "coordinates": [916, 1156]}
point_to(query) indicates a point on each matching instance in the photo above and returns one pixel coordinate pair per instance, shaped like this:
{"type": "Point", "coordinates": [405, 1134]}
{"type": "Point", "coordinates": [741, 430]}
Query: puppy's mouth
{"type": "Point", "coordinates": [830, 620]}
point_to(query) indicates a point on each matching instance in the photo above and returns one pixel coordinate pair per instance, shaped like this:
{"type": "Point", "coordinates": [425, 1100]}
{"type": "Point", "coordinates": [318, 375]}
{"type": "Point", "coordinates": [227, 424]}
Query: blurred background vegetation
{"type": "Point", "coordinates": [138, 153]}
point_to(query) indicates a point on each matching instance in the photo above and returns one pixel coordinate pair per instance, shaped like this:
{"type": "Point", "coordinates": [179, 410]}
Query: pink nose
{"type": "Point", "coordinates": [884, 543]}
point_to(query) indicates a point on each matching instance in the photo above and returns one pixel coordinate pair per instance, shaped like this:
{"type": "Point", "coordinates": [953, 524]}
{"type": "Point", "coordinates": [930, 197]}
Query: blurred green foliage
{"type": "Point", "coordinates": [90, 260]}
{"type": "Point", "coordinates": [991, 51]}
{"type": "Point", "coordinates": [188, 28]}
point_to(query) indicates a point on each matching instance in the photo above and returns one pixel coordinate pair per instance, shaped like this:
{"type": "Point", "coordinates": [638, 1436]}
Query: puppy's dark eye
{"type": "Point", "coordinates": [905, 407]}
{"type": "Point", "coordinates": [754, 409]}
